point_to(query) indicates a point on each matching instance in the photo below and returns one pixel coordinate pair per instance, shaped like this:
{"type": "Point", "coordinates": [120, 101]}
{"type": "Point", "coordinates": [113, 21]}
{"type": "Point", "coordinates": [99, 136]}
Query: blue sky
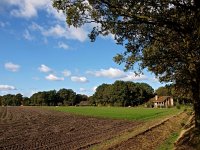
{"type": "Point", "coordinates": [39, 52]}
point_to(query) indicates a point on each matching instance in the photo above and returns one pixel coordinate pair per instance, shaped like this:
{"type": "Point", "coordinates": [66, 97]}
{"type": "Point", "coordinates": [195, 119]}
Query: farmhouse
{"type": "Point", "coordinates": [162, 101]}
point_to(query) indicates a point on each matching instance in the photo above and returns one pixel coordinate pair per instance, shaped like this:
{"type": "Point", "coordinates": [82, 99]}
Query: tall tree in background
{"type": "Point", "coordinates": [161, 35]}
{"type": "Point", "coordinates": [67, 96]}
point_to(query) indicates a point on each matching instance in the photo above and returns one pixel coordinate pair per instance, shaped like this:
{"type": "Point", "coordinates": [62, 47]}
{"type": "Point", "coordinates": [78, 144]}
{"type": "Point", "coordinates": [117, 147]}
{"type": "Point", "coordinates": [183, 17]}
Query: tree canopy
{"type": "Point", "coordinates": [65, 97]}
{"type": "Point", "coordinates": [161, 35]}
{"type": "Point", "coordinates": [179, 95]}
{"type": "Point", "coordinates": [122, 93]}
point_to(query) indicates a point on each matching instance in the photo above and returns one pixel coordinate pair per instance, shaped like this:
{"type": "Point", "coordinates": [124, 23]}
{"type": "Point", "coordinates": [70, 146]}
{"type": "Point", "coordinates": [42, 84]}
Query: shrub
{"type": "Point", "coordinates": [178, 106]}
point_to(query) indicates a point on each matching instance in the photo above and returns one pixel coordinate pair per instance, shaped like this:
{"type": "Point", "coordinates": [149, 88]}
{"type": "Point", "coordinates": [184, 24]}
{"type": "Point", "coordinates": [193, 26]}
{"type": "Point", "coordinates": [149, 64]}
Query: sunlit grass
{"type": "Point", "coordinates": [137, 113]}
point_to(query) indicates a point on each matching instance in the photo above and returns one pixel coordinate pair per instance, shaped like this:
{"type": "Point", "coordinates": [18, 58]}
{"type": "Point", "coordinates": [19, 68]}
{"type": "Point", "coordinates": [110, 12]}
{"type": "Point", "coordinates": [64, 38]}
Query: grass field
{"type": "Point", "coordinates": [137, 113]}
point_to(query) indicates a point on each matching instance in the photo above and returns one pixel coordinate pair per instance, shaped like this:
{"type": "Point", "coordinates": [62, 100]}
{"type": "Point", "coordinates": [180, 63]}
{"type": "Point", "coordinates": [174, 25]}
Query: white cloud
{"type": "Point", "coordinates": [109, 73]}
{"type": "Point", "coordinates": [66, 73]}
{"type": "Point", "coordinates": [12, 67]}
{"type": "Point", "coordinates": [44, 68]}
{"type": "Point", "coordinates": [59, 31]}
{"type": "Point", "coordinates": [131, 76]}
{"type": "Point", "coordinates": [82, 90]}
{"type": "Point", "coordinates": [79, 79]}
{"type": "Point", "coordinates": [94, 88]}
{"type": "Point", "coordinates": [117, 74]}
{"type": "Point", "coordinates": [27, 35]}
{"type": "Point", "coordinates": [59, 15]}
{"type": "Point", "coordinates": [65, 32]}
{"type": "Point", "coordinates": [27, 8]}
{"type": "Point", "coordinates": [30, 8]}
{"type": "Point", "coordinates": [52, 77]}
{"type": "Point", "coordinates": [6, 87]}
{"type": "Point", "coordinates": [62, 45]}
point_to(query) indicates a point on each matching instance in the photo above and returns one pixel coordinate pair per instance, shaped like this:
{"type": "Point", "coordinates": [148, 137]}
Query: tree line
{"type": "Point", "coordinates": [65, 97]}
{"type": "Point", "coordinates": [122, 93]}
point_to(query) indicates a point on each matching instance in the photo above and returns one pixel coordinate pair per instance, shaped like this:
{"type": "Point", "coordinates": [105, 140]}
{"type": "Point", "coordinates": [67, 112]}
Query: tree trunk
{"type": "Point", "coordinates": [196, 99]}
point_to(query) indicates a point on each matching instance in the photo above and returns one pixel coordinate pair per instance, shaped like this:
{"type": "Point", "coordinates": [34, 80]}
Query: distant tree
{"type": "Point", "coordinates": [67, 96]}
{"type": "Point", "coordinates": [9, 99]}
{"type": "Point", "coordinates": [179, 94]}
{"type": "Point", "coordinates": [18, 99]}
{"type": "Point", "coordinates": [92, 100]}
{"type": "Point", "coordinates": [1, 100]}
{"type": "Point", "coordinates": [122, 93]}
{"type": "Point", "coordinates": [145, 92]}
{"type": "Point", "coordinates": [162, 91]}
{"type": "Point", "coordinates": [161, 35]}
{"type": "Point", "coordinates": [81, 97]}
{"type": "Point", "coordinates": [132, 95]}
{"type": "Point", "coordinates": [38, 98]}
{"type": "Point", "coordinates": [26, 101]}
{"type": "Point", "coordinates": [101, 96]}
{"type": "Point", "coordinates": [51, 98]}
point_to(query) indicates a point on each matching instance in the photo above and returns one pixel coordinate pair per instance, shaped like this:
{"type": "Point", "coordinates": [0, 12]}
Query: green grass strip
{"type": "Point", "coordinates": [169, 143]}
{"type": "Point", "coordinates": [133, 113]}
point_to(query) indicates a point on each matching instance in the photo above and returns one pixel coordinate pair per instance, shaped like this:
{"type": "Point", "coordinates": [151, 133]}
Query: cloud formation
{"type": "Point", "coordinates": [27, 9]}
{"type": "Point", "coordinates": [6, 87]}
{"type": "Point", "coordinates": [114, 73]}
{"type": "Point", "coordinates": [52, 77]}
{"type": "Point", "coordinates": [12, 67]}
{"type": "Point", "coordinates": [131, 76]}
{"type": "Point", "coordinates": [66, 73]}
{"type": "Point", "coordinates": [94, 89]}
{"type": "Point", "coordinates": [59, 31]}
{"type": "Point", "coordinates": [44, 68]}
{"type": "Point", "coordinates": [82, 90]}
{"type": "Point", "coordinates": [108, 73]}
{"type": "Point", "coordinates": [79, 79]}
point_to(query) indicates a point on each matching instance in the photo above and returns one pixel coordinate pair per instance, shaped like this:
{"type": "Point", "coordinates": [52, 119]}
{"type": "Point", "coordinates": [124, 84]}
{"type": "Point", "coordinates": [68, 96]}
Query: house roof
{"type": "Point", "coordinates": [160, 99]}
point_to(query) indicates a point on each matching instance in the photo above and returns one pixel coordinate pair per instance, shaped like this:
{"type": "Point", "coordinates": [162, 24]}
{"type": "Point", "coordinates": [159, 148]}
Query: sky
{"type": "Point", "coordinates": [40, 52]}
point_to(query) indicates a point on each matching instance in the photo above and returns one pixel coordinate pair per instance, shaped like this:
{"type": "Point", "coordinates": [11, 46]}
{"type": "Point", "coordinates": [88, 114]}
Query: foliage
{"type": "Point", "coordinates": [169, 143]}
{"type": "Point", "coordinates": [12, 100]}
{"type": "Point", "coordinates": [163, 36]}
{"type": "Point", "coordinates": [45, 98]}
{"type": "Point", "coordinates": [136, 113]}
{"type": "Point", "coordinates": [122, 93]}
{"type": "Point", "coordinates": [178, 106]}
{"type": "Point", "coordinates": [180, 95]}
{"type": "Point", "coordinates": [65, 97]}
{"type": "Point", "coordinates": [163, 91]}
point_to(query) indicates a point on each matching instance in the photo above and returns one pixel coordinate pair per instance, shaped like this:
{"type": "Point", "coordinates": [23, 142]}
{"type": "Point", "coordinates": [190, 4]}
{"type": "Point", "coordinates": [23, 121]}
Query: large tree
{"type": "Point", "coordinates": [161, 35]}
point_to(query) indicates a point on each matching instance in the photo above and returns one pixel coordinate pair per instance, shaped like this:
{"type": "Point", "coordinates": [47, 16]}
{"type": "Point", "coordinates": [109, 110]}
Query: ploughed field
{"type": "Point", "coordinates": [36, 128]}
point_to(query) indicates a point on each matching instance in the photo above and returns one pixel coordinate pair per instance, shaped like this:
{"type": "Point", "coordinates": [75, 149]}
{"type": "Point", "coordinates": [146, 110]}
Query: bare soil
{"type": "Point", "coordinates": [151, 138]}
{"type": "Point", "coordinates": [32, 128]}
